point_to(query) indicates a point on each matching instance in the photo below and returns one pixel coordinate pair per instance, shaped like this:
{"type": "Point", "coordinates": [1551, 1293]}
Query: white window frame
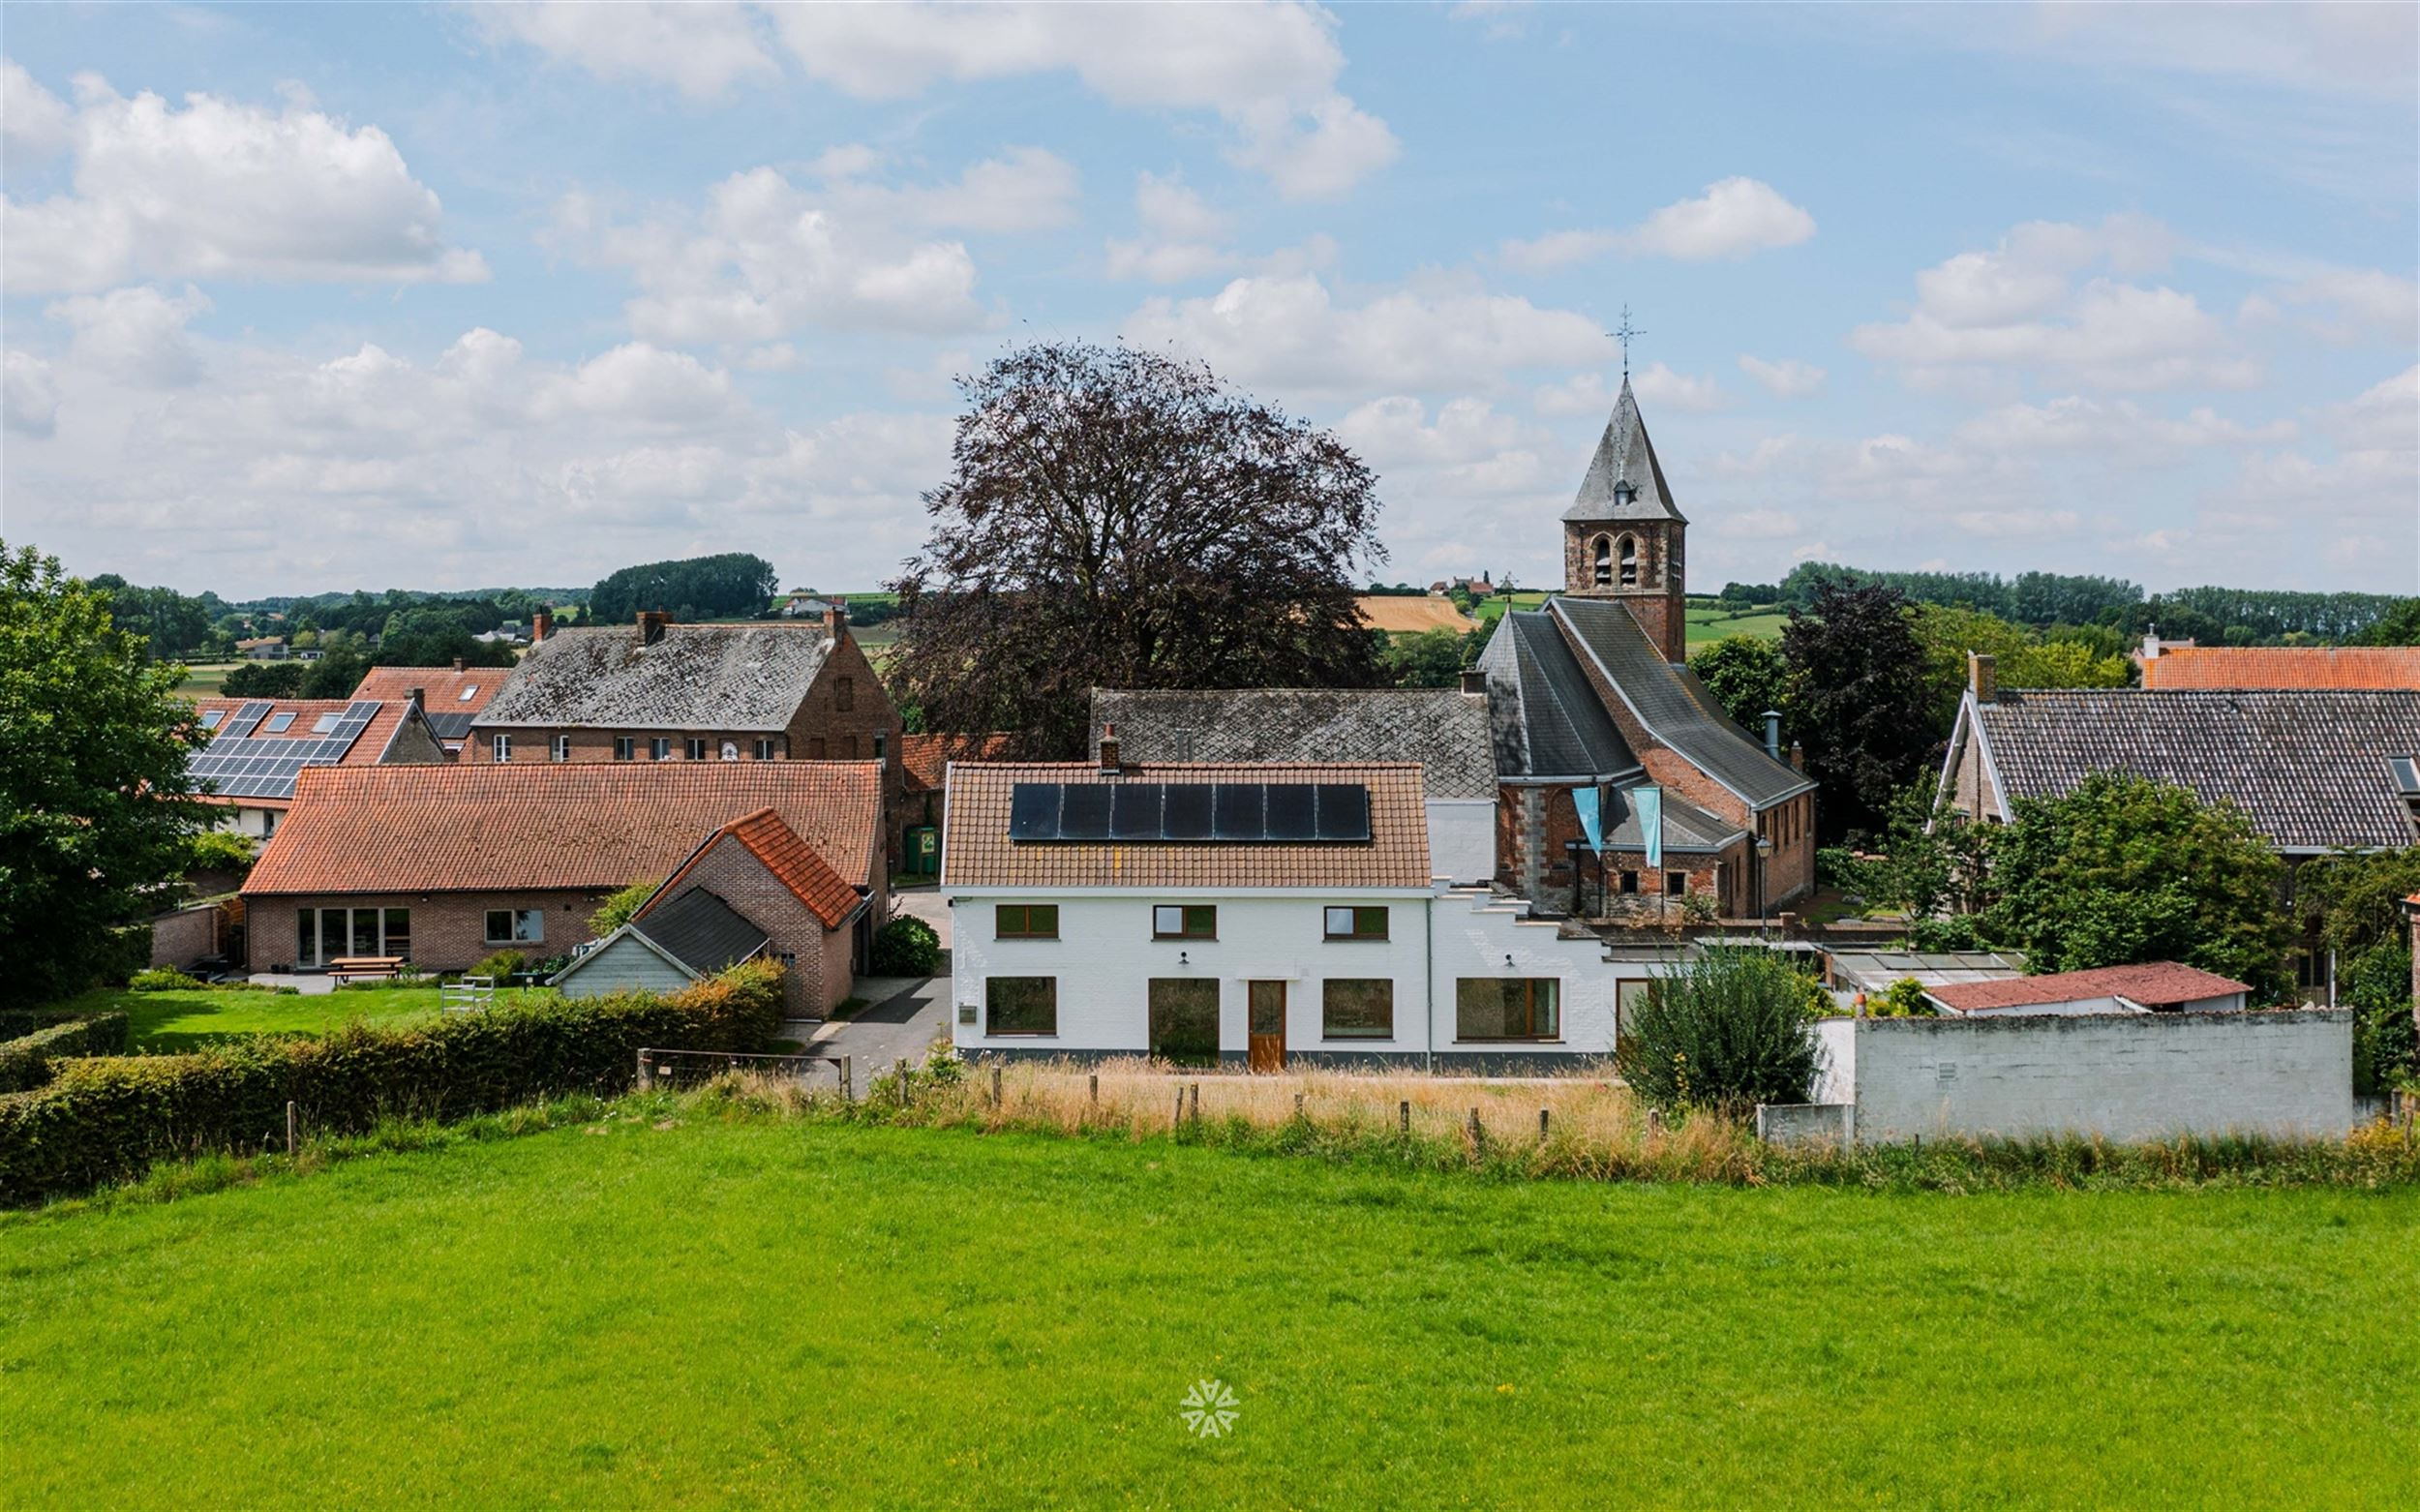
{"type": "Point", "coordinates": [560, 748]}
{"type": "Point", "coordinates": [504, 748]}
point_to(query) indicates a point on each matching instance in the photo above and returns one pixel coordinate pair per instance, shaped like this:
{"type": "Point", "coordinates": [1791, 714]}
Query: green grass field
{"type": "Point", "coordinates": [1710, 623]}
{"type": "Point", "coordinates": [691, 1312]}
{"type": "Point", "coordinates": [205, 680]}
{"type": "Point", "coordinates": [181, 1020]}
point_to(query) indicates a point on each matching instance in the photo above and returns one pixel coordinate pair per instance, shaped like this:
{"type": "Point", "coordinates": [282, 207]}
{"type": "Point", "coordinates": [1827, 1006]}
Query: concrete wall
{"type": "Point", "coordinates": [2125, 1077]}
{"type": "Point", "coordinates": [1461, 838]}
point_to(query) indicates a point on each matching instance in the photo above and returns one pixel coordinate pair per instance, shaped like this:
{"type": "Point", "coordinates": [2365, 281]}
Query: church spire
{"type": "Point", "coordinates": [1624, 480]}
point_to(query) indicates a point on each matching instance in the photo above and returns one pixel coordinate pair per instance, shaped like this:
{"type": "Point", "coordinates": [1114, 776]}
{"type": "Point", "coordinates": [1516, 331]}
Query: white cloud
{"type": "Point", "coordinates": [1581, 393]}
{"type": "Point", "coordinates": [1026, 189]}
{"type": "Point", "coordinates": [1174, 212]}
{"type": "Point", "coordinates": [700, 48]}
{"type": "Point", "coordinates": [2385, 418]}
{"type": "Point", "coordinates": [2370, 304]}
{"type": "Point", "coordinates": [1290, 332]}
{"type": "Point", "coordinates": [1500, 20]}
{"type": "Point", "coordinates": [1658, 386]}
{"type": "Point", "coordinates": [35, 124]}
{"type": "Point", "coordinates": [226, 190]}
{"type": "Point", "coordinates": [1734, 218]}
{"type": "Point", "coordinates": [2115, 433]}
{"type": "Point", "coordinates": [1184, 238]}
{"type": "Point", "coordinates": [1786, 378]}
{"type": "Point", "coordinates": [1269, 71]}
{"type": "Point", "coordinates": [134, 335]}
{"type": "Point", "coordinates": [29, 400]}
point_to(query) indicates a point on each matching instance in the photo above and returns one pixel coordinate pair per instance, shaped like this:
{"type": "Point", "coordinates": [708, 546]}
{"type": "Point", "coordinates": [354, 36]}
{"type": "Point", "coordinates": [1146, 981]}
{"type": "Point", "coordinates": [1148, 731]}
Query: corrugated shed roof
{"type": "Point", "coordinates": [1661, 701]}
{"type": "Point", "coordinates": [699, 676]}
{"type": "Point", "coordinates": [2285, 667]}
{"type": "Point", "coordinates": [980, 853]}
{"type": "Point", "coordinates": [522, 826]}
{"type": "Point", "coordinates": [2309, 766]}
{"type": "Point", "coordinates": [2153, 984]}
{"type": "Point", "coordinates": [703, 932]}
{"type": "Point", "coordinates": [1546, 720]}
{"type": "Point", "coordinates": [1624, 453]}
{"type": "Point", "coordinates": [1442, 729]}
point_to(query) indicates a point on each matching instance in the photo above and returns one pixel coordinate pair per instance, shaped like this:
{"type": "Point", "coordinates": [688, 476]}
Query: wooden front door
{"type": "Point", "coordinates": [1266, 1004]}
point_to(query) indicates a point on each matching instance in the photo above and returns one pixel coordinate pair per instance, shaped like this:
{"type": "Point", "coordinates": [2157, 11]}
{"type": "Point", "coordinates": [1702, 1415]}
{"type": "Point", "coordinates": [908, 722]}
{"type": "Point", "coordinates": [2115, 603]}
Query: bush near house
{"type": "Point", "coordinates": [25, 1060]}
{"type": "Point", "coordinates": [1726, 1032]}
{"type": "Point", "coordinates": [105, 1119]}
{"type": "Point", "coordinates": [905, 947]}
{"type": "Point", "coordinates": [502, 966]}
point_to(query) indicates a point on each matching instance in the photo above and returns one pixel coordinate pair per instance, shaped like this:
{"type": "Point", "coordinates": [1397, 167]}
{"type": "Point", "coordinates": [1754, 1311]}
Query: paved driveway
{"type": "Point", "coordinates": [900, 1026]}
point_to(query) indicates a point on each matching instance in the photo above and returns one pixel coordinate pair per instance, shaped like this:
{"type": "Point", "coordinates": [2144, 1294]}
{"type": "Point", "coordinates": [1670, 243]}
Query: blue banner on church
{"type": "Point", "coordinates": [1648, 800]}
{"type": "Point", "coordinates": [1590, 802]}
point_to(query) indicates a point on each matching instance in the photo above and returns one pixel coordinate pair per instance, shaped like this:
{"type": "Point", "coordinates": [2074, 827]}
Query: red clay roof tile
{"type": "Point", "coordinates": [2154, 984]}
{"type": "Point", "coordinates": [2285, 667]}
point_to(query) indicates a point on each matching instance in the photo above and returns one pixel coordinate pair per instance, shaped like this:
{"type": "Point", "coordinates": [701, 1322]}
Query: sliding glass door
{"type": "Point", "coordinates": [322, 936]}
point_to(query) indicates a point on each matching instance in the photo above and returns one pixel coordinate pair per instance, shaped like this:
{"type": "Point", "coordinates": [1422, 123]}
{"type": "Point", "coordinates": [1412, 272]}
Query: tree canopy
{"type": "Point", "coordinates": [1862, 700]}
{"type": "Point", "coordinates": [696, 587]}
{"type": "Point", "coordinates": [1747, 675]}
{"type": "Point", "coordinates": [1120, 519]}
{"type": "Point", "coordinates": [93, 748]}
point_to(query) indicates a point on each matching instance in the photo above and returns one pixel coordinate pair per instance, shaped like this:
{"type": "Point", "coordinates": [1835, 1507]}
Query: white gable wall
{"type": "Point", "coordinates": [1461, 838]}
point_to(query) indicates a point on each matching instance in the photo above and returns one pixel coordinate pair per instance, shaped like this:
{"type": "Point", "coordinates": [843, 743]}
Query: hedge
{"type": "Point", "coordinates": [108, 1119]}
{"type": "Point", "coordinates": [25, 1061]}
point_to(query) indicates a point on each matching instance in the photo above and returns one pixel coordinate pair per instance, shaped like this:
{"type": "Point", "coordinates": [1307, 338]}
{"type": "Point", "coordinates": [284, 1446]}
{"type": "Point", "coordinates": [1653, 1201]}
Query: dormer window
{"type": "Point", "coordinates": [1604, 573]}
{"type": "Point", "coordinates": [1625, 494]}
{"type": "Point", "coordinates": [1630, 561]}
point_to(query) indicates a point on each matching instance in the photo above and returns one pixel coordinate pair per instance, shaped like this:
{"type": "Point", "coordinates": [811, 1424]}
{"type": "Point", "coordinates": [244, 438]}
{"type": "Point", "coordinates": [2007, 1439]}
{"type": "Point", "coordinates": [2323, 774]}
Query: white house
{"type": "Point", "coordinates": [1255, 915]}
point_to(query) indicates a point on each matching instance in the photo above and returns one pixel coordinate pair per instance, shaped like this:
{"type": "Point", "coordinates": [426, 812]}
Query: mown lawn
{"type": "Point", "coordinates": [181, 1020]}
{"type": "Point", "coordinates": [1706, 623]}
{"type": "Point", "coordinates": [798, 1314]}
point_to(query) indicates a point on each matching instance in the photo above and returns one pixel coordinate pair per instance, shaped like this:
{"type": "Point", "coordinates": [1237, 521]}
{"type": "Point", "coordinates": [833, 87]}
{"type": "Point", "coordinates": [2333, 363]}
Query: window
{"type": "Point", "coordinates": [1185, 1020]}
{"type": "Point", "coordinates": [764, 750]}
{"type": "Point", "coordinates": [323, 935]}
{"type": "Point", "coordinates": [1356, 923]}
{"type": "Point", "coordinates": [504, 748]}
{"type": "Point", "coordinates": [626, 747]}
{"type": "Point", "coordinates": [660, 748]}
{"type": "Point", "coordinates": [278, 724]}
{"type": "Point", "coordinates": [210, 718]}
{"type": "Point", "coordinates": [1184, 921]}
{"type": "Point", "coordinates": [694, 748]}
{"type": "Point", "coordinates": [1628, 994]}
{"type": "Point", "coordinates": [844, 694]}
{"type": "Point", "coordinates": [1630, 882]}
{"type": "Point", "coordinates": [1604, 573]}
{"type": "Point", "coordinates": [1508, 1008]}
{"type": "Point", "coordinates": [398, 939]}
{"type": "Point", "coordinates": [1021, 1005]}
{"type": "Point", "coordinates": [268, 823]}
{"type": "Point", "coordinates": [1629, 561]}
{"type": "Point", "coordinates": [1352, 1008]}
{"type": "Point", "coordinates": [560, 748]}
{"type": "Point", "coordinates": [882, 744]}
{"type": "Point", "coordinates": [325, 723]}
{"type": "Point", "coordinates": [470, 690]}
{"type": "Point", "coordinates": [1026, 922]}
{"type": "Point", "coordinates": [1676, 883]}
{"type": "Point", "coordinates": [516, 926]}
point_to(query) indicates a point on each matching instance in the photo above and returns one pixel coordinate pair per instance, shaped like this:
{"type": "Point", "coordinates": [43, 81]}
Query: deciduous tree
{"type": "Point", "coordinates": [1862, 700]}
{"type": "Point", "coordinates": [1747, 676]}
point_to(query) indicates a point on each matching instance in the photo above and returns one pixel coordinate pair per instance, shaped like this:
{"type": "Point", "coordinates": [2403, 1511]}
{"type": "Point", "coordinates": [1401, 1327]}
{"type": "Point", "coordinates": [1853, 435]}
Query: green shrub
{"type": "Point", "coordinates": [219, 849]}
{"type": "Point", "coordinates": [1950, 933]}
{"type": "Point", "coordinates": [105, 1119]}
{"type": "Point", "coordinates": [1902, 999]}
{"type": "Point", "coordinates": [615, 911]}
{"type": "Point", "coordinates": [162, 979]}
{"type": "Point", "coordinates": [905, 947]}
{"type": "Point", "coordinates": [501, 965]}
{"type": "Point", "coordinates": [1727, 1031]}
{"type": "Point", "coordinates": [26, 1060]}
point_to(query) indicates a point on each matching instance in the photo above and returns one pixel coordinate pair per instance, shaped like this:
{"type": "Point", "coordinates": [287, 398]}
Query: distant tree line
{"type": "Point", "coordinates": [697, 588]}
{"type": "Point", "coordinates": [2209, 616]}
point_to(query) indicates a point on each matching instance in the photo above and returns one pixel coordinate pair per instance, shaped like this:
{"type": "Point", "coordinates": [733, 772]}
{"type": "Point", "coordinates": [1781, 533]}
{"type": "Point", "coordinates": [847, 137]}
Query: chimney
{"type": "Point", "coordinates": [541, 625]}
{"type": "Point", "coordinates": [651, 622]}
{"type": "Point", "coordinates": [837, 619]}
{"type": "Point", "coordinates": [1474, 682]}
{"type": "Point", "coordinates": [1772, 733]}
{"type": "Point", "coordinates": [1798, 756]}
{"type": "Point", "coordinates": [1109, 750]}
{"type": "Point", "coordinates": [418, 699]}
{"type": "Point", "coordinates": [458, 664]}
{"type": "Point", "coordinates": [1982, 677]}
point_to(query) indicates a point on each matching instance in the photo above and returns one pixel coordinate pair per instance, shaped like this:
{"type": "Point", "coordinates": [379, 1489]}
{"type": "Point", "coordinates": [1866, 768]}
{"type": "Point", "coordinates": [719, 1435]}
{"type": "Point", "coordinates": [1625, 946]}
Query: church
{"type": "Point", "coordinates": [1599, 724]}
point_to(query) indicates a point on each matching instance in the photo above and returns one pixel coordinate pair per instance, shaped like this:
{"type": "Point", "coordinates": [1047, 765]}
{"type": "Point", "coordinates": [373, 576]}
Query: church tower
{"type": "Point", "coordinates": [1622, 536]}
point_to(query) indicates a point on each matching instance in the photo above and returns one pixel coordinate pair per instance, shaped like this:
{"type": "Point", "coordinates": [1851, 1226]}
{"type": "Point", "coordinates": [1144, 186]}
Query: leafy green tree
{"type": "Point", "coordinates": [93, 748]}
{"type": "Point", "coordinates": [2351, 903]}
{"type": "Point", "coordinates": [1935, 860]}
{"type": "Point", "coordinates": [1862, 699]}
{"type": "Point", "coordinates": [336, 673]}
{"type": "Point", "coordinates": [2125, 869]}
{"type": "Point", "coordinates": [1725, 1031]}
{"type": "Point", "coordinates": [265, 680]}
{"type": "Point", "coordinates": [1432, 658]}
{"type": "Point", "coordinates": [696, 587]}
{"type": "Point", "coordinates": [2398, 625]}
{"type": "Point", "coordinates": [429, 635]}
{"type": "Point", "coordinates": [617, 910]}
{"type": "Point", "coordinates": [1747, 676]}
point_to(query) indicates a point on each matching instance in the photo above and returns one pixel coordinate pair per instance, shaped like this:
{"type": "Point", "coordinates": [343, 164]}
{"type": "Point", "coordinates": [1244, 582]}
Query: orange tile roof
{"type": "Point", "coordinates": [2285, 667]}
{"type": "Point", "coordinates": [978, 853]}
{"type": "Point", "coordinates": [2153, 984]}
{"type": "Point", "coordinates": [925, 757]}
{"type": "Point", "coordinates": [519, 826]}
{"type": "Point", "coordinates": [372, 743]}
{"type": "Point", "coordinates": [791, 860]}
{"type": "Point", "coordinates": [440, 687]}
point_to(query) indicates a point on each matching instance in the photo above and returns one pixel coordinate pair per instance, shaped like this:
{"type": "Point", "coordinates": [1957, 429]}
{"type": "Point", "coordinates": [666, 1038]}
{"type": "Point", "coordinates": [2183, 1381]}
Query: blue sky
{"type": "Point", "coordinates": [295, 299]}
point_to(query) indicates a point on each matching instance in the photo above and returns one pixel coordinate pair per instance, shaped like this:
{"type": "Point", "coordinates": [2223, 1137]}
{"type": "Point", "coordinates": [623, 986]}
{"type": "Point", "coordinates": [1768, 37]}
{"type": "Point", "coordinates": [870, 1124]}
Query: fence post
{"type": "Point", "coordinates": [647, 1071]}
{"type": "Point", "coordinates": [1176, 1120]}
{"type": "Point", "coordinates": [995, 1086]}
{"type": "Point", "coordinates": [1654, 1121]}
{"type": "Point", "coordinates": [1477, 1133]}
{"type": "Point", "coordinates": [848, 1093]}
{"type": "Point", "coordinates": [1298, 1104]}
{"type": "Point", "coordinates": [1542, 1126]}
{"type": "Point", "coordinates": [1197, 1103]}
{"type": "Point", "coordinates": [291, 1123]}
{"type": "Point", "coordinates": [1402, 1115]}
{"type": "Point", "coordinates": [1096, 1089]}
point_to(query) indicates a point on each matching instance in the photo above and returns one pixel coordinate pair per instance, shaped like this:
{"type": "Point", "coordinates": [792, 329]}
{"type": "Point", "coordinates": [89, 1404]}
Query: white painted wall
{"type": "Point", "coordinates": [2123, 1076]}
{"type": "Point", "coordinates": [1461, 838]}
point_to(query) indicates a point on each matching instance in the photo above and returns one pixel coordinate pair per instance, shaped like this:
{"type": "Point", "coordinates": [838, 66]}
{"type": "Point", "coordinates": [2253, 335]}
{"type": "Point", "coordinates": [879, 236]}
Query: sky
{"type": "Point", "coordinates": [300, 299]}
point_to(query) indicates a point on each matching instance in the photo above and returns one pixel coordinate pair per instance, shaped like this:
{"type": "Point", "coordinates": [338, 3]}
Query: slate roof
{"type": "Point", "coordinates": [2153, 984]}
{"type": "Point", "coordinates": [698, 677]}
{"type": "Point", "coordinates": [1624, 452]}
{"type": "Point", "coordinates": [1662, 701]}
{"type": "Point", "coordinates": [1546, 721]}
{"type": "Point", "coordinates": [528, 826]}
{"type": "Point", "coordinates": [980, 853]}
{"type": "Point", "coordinates": [794, 863]}
{"type": "Point", "coordinates": [1442, 729]}
{"type": "Point", "coordinates": [2309, 766]}
{"type": "Point", "coordinates": [2285, 667]}
{"type": "Point", "coordinates": [703, 932]}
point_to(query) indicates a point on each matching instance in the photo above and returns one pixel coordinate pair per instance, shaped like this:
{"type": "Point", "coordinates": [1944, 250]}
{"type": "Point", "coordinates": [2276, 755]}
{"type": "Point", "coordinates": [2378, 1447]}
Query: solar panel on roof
{"type": "Point", "coordinates": [1239, 811]}
{"type": "Point", "coordinates": [1164, 814]}
{"type": "Point", "coordinates": [1135, 811]}
{"type": "Point", "coordinates": [1034, 811]}
{"type": "Point", "coordinates": [1344, 811]}
{"type": "Point", "coordinates": [1084, 811]}
{"type": "Point", "coordinates": [1185, 811]}
{"type": "Point", "coordinates": [1293, 812]}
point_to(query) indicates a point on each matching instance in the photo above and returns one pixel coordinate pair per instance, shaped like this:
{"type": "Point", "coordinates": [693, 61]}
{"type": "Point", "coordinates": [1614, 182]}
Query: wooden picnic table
{"type": "Point", "coordinates": [351, 968]}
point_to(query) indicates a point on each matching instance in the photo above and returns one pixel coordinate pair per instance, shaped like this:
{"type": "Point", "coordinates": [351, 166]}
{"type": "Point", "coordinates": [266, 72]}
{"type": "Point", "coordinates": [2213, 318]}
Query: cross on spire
{"type": "Point", "coordinates": [1622, 333]}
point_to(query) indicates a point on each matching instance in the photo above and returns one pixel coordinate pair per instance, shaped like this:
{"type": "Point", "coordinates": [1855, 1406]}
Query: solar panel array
{"type": "Point", "coordinates": [237, 765]}
{"type": "Point", "coordinates": [1242, 813]}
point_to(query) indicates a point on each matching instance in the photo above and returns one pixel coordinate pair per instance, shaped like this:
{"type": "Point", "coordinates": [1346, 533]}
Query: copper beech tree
{"type": "Point", "coordinates": [1121, 519]}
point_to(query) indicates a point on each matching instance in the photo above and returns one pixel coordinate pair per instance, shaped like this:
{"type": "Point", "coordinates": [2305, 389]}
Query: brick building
{"type": "Point", "coordinates": [660, 691]}
{"type": "Point", "coordinates": [444, 865]}
{"type": "Point", "coordinates": [259, 745]}
{"type": "Point", "coordinates": [449, 697]}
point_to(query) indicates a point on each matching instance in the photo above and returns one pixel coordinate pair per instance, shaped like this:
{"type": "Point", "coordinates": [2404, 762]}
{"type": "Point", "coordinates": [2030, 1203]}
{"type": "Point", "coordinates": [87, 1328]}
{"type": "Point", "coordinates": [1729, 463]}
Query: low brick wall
{"type": "Point", "coordinates": [183, 936]}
